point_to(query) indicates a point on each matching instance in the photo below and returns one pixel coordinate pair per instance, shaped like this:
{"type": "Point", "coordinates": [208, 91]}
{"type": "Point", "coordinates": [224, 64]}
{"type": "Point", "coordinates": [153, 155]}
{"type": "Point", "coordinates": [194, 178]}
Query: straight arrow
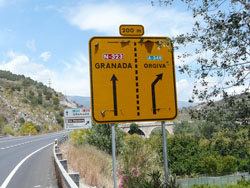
{"type": "Point", "coordinates": [159, 77]}
{"type": "Point", "coordinates": [114, 79]}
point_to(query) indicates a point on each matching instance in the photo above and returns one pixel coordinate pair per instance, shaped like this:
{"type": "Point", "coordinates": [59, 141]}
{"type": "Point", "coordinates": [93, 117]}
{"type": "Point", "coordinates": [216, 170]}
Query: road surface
{"type": "Point", "coordinates": [26, 162]}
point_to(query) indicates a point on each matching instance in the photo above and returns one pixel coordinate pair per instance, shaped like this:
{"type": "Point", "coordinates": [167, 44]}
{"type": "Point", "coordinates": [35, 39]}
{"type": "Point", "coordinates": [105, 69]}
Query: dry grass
{"type": "Point", "coordinates": [95, 166]}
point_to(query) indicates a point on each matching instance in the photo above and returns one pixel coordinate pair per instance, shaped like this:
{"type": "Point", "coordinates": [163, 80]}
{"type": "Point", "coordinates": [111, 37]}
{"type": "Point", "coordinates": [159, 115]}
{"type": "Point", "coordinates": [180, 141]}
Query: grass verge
{"type": "Point", "coordinates": [94, 166]}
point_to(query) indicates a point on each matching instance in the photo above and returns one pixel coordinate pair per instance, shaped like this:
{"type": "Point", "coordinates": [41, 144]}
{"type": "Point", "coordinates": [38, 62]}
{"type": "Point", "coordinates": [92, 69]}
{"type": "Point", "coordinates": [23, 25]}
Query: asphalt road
{"type": "Point", "coordinates": [26, 162]}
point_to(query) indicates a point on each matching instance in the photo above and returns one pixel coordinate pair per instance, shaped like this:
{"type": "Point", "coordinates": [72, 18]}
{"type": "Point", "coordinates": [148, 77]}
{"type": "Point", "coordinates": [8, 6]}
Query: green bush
{"type": "Point", "coordinates": [8, 131]}
{"type": "Point", "coordinates": [55, 100]}
{"type": "Point", "coordinates": [3, 122]}
{"type": "Point", "coordinates": [137, 164]}
{"type": "Point", "coordinates": [21, 121]}
{"type": "Point", "coordinates": [48, 95]}
{"type": "Point", "coordinates": [100, 136]}
{"type": "Point", "coordinates": [59, 119]}
{"type": "Point", "coordinates": [136, 153]}
{"type": "Point", "coordinates": [184, 154]}
{"type": "Point", "coordinates": [38, 128]}
{"type": "Point", "coordinates": [135, 179]}
{"type": "Point", "coordinates": [27, 128]}
{"type": "Point", "coordinates": [24, 100]}
{"type": "Point", "coordinates": [79, 137]}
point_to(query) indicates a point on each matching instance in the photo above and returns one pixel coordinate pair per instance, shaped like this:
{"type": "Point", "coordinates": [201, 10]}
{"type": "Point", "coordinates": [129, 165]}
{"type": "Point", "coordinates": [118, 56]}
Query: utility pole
{"type": "Point", "coordinates": [49, 82]}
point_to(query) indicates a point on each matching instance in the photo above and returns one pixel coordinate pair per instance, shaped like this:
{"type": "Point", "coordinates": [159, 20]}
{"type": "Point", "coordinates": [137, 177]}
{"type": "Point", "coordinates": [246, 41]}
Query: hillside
{"type": "Point", "coordinates": [25, 100]}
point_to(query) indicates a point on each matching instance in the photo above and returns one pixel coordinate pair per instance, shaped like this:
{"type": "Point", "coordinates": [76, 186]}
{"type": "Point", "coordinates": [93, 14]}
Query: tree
{"type": "Point", "coordinates": [55, 100]}
{"type": "Point", "coordinates": [40, 97]}
{"type": "Point", "coordinates": [134, 129]}
{"type": "Point", "coordinates": [221, 38]}
{"type": "Point", "coordinates": [184, 154]}
{"type": "Point", "coordinates": [222, 29]}
{"type": "Point", "coordinates": [184, 127]}
{"type": "Point", "coordinates": [100, 136]}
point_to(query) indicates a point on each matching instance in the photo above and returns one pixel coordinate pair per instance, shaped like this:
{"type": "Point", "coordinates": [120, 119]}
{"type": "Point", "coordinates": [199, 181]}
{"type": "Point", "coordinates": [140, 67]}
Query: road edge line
{"type": "Point", "coordinates": [7, 180]}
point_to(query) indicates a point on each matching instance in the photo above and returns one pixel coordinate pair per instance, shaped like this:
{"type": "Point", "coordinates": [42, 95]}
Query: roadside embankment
{"type": "Point", "coordinates": [95, 166]}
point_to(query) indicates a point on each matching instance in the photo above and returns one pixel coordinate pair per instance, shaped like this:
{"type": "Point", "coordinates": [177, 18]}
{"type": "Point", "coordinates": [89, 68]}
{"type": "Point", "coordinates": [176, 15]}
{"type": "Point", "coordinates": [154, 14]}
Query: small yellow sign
{"type": "Point", "coordinates": [132, 79]}
{"type": "Point", "coordinates": [131, 30]}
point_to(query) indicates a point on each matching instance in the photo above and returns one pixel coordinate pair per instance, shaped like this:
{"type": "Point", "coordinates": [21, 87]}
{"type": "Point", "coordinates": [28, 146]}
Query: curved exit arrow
{"type": "Point", "coordinates": [114, 79]}
{"type": "Point", "coordinates": [159, 77]}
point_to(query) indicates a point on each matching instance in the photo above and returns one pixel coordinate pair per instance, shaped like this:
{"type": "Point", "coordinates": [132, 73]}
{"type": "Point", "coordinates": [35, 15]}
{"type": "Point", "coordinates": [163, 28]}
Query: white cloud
{"type": "Point", "coordinates": [236, 90]}
{"type": "Point", "coordinates": [73, 79]}
{"type": "Point", "coordinates": [45, 56]}
{"type": "Point", "coordinates": [182, 84]}
{"type": "Point", "coordinates": [30, 44]}
{"type": "Point", "coordinates": [22, 64]}
{"type": "Point", "coordinates": [184, 89]}
{"type": "Point", "coordinates": [106, 17]}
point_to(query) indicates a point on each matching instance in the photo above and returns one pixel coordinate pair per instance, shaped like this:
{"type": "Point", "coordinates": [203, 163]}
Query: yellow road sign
{"type": "Point", "coordinates": [132, 79]}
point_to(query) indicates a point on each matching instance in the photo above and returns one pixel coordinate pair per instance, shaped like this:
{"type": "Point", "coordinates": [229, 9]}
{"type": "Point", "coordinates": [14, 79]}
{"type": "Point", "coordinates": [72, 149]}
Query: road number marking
{"type": "Point", "coordinates": [112, 56]}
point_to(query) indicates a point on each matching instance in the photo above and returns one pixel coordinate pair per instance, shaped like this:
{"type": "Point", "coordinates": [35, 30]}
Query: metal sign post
{"type": "Point", "coordinates": [135, 67]}
{"type": "Point", "coordinates": [113, 154]}
{"type": "Point", "coordinates": [164, 141]}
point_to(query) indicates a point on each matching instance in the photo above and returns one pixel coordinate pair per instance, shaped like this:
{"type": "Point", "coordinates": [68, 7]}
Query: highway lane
{"type": "Point", "coordinates": [37, 167]}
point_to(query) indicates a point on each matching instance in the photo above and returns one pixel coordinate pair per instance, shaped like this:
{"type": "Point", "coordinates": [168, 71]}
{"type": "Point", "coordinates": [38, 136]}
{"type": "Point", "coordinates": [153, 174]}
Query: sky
{"type": "Point", "coordinates": [48, 39]}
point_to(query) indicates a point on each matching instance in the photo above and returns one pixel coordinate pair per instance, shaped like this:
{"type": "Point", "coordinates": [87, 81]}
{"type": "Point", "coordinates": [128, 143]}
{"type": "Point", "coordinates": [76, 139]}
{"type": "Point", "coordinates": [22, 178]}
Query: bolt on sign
{"type": "Point", "coordinates": [132, 78]}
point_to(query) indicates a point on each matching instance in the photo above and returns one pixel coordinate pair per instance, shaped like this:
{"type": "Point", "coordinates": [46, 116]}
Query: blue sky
{"type": "Point", "coordinates": [46, 39]}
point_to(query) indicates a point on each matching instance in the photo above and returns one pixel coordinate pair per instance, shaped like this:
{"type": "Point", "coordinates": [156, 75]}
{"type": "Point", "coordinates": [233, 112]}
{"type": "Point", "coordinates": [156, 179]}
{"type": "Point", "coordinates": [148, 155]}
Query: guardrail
{"type": "Point", "coordinates": [65, 179]}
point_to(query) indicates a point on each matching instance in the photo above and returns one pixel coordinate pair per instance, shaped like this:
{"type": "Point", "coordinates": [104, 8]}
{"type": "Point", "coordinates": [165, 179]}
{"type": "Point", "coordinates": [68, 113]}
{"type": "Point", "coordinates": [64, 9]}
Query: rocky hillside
{"type": "Point", "coordinates": [25, 100]}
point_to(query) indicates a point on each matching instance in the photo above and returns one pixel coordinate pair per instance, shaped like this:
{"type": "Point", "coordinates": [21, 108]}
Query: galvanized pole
{"type": "Point", "coordinates": [114, 154]}
{"type": "Point", "coordinates": [165, 157]}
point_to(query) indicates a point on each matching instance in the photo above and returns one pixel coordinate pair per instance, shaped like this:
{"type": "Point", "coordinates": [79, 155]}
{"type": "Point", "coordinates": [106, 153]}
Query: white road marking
{"type": "Point", "coordinates": [7, 180]}
{"type": "Point", "coordinates": [28, 137]}
{"type": "Point", "coordinates": [26, 142]}
{"type": "Point", "coordinates": [19, 144]}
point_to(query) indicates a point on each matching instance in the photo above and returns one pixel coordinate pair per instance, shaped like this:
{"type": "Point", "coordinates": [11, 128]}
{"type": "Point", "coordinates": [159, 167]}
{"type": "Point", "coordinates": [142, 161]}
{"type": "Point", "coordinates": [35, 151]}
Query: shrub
{"type": "Point", "coordinates": [38, 128]}
{"type": "Point", "coordinates": [8, 131]}
{"type": "Point", "coordinates": [3, 122]}
{"type": "Point", "coordinates": [27, 128]}
{"type": "Point", "coordinates": [184, 154]}
{"type": "Point", "coordinates": [137, 159]}
{"type": "Point", "coordinates": [135, 179]}
{"type": "Point", "coordinates": [134, 129]}
{"type": "Point", "coordinates": [55, 100]}
{"type": "Point", "coordinates": [100, 136]}
{"type": "Point", "coordinates": [79, 137]}
{"type": "Point", "coordinates": [59, 119]}
{"type": "Point", "coordinates": [21, 120]}
{"type": "Point", "coordinates": [24, 100]}
{"type": "Point", "coordinates": [217, 165]}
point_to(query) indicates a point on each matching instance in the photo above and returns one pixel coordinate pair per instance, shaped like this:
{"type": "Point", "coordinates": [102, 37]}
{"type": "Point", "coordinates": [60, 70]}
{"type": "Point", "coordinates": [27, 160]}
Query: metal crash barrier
{"type": "Point", "coordinates": [65, 179]}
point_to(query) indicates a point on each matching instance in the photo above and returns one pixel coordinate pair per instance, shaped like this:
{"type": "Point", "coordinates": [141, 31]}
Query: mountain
{"type": "Point", "coordinates": [25, 100]}
{"type": "Point", "coordinates": [85, 102]}
{"type": "Point", "coordinates": [182, 104]}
